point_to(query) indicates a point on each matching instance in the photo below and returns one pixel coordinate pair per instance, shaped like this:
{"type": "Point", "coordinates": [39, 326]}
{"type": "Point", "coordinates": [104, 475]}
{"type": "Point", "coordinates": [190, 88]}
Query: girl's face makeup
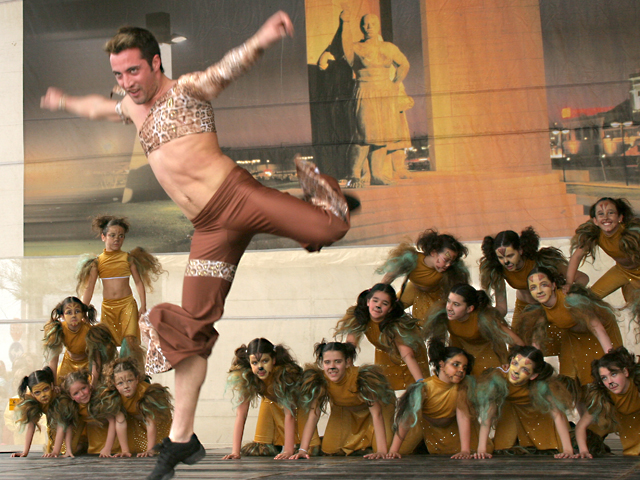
{"type": "Point", "coordinates": [114, 238]}
{"type": "Point", "coordinates": [262, 365]}
{"type": "Point", "coordinates": [454, 369]}
{"type": "Point", "coordinates": [126, 383]}
{"type": "Point", "coordinates": [73, 315]}
{"type": "Point", "coordinates": [542, 289]}
{"type": "Point", "coordinates": [42, 392]}
{"type": "Point", "coordinates": [521, 370]}
{"type": "Point", "coordinates": [510, 258]}
{"type": "Point", "coordinates": [442, 260]}
{"type": "Point", "coordinates": [80, 392]}
{"type": "Point", "coordinates": [457, 308]}
{"type": "Point", "coordinates": [334, 365]}
{"type": "Point", "coordinates": [615, 380]}
{"type": "Point", "coordinates": [607, 217]}
{"type": "Point", "coordinates": [379, 305]}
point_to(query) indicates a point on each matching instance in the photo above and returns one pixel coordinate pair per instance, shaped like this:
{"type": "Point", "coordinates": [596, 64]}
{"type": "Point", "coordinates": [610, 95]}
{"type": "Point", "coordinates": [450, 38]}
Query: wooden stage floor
{"type": "Point", "coordinates": [418, 466]}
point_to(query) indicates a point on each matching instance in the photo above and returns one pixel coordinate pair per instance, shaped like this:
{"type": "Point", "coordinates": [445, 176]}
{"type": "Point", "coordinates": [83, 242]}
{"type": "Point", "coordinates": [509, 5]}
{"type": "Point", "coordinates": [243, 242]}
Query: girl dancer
{"type": "Point", "coordinates": [439, 405]}
{"type": "Point", "coordinates": [398, 339]}
{"type": "Point", "coordinates": [507, 259]}
{"type": "Point", "coordinates": [361, 399]}
{"type": "Point", "coordinates": [144, 418]}
{"type": "Point", "coordinates": [613, 400]}
{"type": "Point", "coordinates": [265, 370]}
{"type": "Point", "coordinates": [527, 404]}
{"type": "Point", "coordinates": [432, 267]}
{"type": "Point", "coordinates": [71, 326]}
{"type": "Point", "coordinates": [114, 267]}
{"type": "Point", "coordinates": [615, 229]}
{"type": "Point", "coordinates": [38, 396]}
{"type": "Point", "coordinates": [474, 326]}
{"type": "Point", "coordinates": [588, 325]}
{"type": "Point", "coordinates": [96, 415]}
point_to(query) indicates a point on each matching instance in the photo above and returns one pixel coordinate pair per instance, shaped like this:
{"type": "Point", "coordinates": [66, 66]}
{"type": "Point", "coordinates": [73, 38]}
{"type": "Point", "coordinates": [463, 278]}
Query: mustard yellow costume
{"type": "Point", "coordinates": [89, 344]}
{"type": "Point", "coordinates": [622, 414]}
{"type": "Point", "coordinates": [624, 243]}
{"type": "Point", "coordinates": [350, 426]}
{"type": "Point", "coordinates": [523, 412]}
{"type": "Point", "coordinates": [94, 430]}
{"type": "Point", "coordinates": [149, 401]}
{"type": "Point", "coordinates": [270, 426]}
{"type": "Point", "coordinates": [59, 411]}
{"type": "Point", "coordinates": [278, 391]}
{"type": "Point", "coordinates": [404, 330]}
{"type": "Point", "coordinates": [120, 315]}
{"type": "Point", "coordinates": [577, 350]}
{"type": "Point", "coordinates": [432, 405]}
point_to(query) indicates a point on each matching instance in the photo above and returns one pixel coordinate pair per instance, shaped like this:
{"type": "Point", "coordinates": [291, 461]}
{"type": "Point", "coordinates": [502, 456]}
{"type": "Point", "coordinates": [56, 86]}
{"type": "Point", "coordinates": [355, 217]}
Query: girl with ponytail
{"type": "Point", "coordinates": [379, 316]}
{"type": "Point", "coordinates": [473, 325]}
{"type": "Point", "coordinates": [38, 397]}
{"type": "Point", "coordinates": [589, 326]}
{"type": "Point", "coordinates": [362, 403]}
{"type": "Point", "coordinates": [267, 371]}
{"type": "Point", "coordinates": [507, 259]}
{"type": "Point", "coordinates": [86, 345]}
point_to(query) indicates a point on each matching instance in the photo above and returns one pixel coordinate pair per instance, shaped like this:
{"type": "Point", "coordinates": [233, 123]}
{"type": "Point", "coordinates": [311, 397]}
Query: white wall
{"type": "Point", "coordinates": [11, 145]}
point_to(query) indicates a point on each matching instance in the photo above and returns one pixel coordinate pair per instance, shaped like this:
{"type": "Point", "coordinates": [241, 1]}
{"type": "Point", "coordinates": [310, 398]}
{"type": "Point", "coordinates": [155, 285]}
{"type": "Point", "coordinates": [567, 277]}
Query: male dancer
{"type": "Point", "coordinates": [225, 204]}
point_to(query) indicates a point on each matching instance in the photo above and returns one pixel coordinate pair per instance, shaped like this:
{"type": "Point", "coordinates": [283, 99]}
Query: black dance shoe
{"type": "Point", "coordinates": [173, 453]}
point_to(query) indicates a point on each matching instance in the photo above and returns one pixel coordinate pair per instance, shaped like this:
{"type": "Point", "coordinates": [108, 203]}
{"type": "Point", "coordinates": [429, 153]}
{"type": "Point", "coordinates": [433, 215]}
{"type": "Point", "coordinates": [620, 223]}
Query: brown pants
{"type": "Point", "coordinates": [241, 208]}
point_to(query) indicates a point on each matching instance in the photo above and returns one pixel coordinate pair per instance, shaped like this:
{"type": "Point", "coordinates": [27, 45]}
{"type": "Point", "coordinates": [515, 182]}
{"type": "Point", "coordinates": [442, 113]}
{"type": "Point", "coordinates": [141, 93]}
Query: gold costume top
{"type": "Point", "coordinates": [559, 315]}
{"type": "Point", "coordinates": [345, 392]}
{"type": "Point", "coordinates": [131, 404]}
{"type": "Point", "coordinates": [76, 342]}
{"type": "Point", "coordinates": [394, 368]}
{"type": "Point", "coordinates": [185, 109]}
{"type": "Point", "coordinates": [627, 408]}
{"type": "Point", "coordinates": [424, 277]}
{"type": "Point", "coordinates": [114, 264]}
{"type": "Point", "coordinates": [440, 399]}
{"type": "Point", "coordinates": [96, 432]}
{"type": "Point", "coordinates": [518, 279]}
{"type": "Point", "coordinates": [611, 245]}
{"type": "Point", "coordinates": [467, 336]}
{"type": "Point", "coordinates": [578, 350]}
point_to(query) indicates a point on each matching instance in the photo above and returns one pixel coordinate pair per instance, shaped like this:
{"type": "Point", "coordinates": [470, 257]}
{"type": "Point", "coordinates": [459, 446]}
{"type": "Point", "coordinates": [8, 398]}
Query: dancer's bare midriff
{"type": "Point", "coordinates": [191, 169]}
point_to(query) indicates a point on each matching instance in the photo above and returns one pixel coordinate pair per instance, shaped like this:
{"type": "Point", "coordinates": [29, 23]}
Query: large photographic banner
{"type": "Point", "coordinates": [471, 117]}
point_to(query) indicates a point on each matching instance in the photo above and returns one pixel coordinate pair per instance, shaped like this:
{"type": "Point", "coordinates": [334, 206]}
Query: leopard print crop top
{"type": "Point", "coordinates": [174, 115]}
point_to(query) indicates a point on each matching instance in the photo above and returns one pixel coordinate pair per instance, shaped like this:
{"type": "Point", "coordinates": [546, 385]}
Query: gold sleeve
{"type": "Point", "coordinates": [208, 84]}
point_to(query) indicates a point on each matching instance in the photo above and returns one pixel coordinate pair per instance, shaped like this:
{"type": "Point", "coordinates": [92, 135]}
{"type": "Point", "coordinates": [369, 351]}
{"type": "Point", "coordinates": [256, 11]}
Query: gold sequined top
{"type": "Point", "coordinates": [611, 245]}
{"type": "Point", "coordinates": [559, 315]}
{"type": "Point", "coordinates": [426, 278]}
{"type": "Point", "coordinates": [185, 108]}
{"type": "Point", "coordinates": [627, 408]}
{"type": "Point", "coordinates": [76, 342]}
{"type": "Point", "coordinates": [345, 392]}
{"type": "Point", "coordinates": [131, 404]}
